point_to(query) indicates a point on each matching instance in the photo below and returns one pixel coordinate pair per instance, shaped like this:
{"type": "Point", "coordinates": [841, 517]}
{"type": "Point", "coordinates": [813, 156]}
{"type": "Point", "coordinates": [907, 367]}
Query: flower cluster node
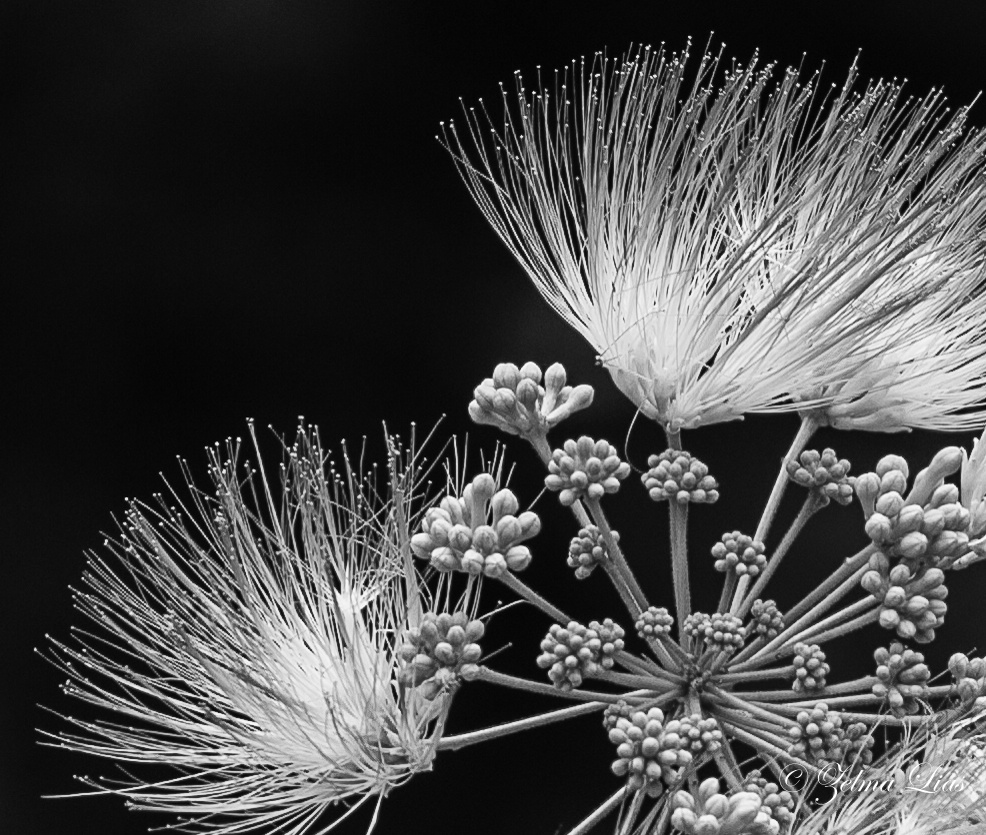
{"type": "Point", "coordinates": [459, 536]}
{"type": "Point", "coordinates": [575, 652]}
{"type": "Point", "coordinates": [654, 623]}
{"type": "Point", "coordinates": [912, 604]}
{"type": "Point", "coordinates": [440, 650]}
{"type": "Point", "coordinates": [587, 550]}
{"type": "Point", "coordinates": [810, 668]}
{"type": "Point", "coordinates": [819, 737]}
{"type": "Point", "coordinates": [903, 678]}
{"type": "Point", "coordinates": [969, 675]}
{"type": "Point", "coordinates": [585, 468]}
{"type": "Point", "coordinates": [675, 475]}
{"type": "Point", "coordinates": [709, 812]}
{"type": "Point", "coordinates": [766, 620]}
{"type": "Point", "coordinates": [740, 554]}
{"type": "Point", "coordinates": [823, 473]}
{"type": "Point", "coordinates": [650, 750]}
{"type": "Point", "coordinates": [777, 802]}
{"type": "Point", "coordinates": [721, 631]}
{"type": "Point", "coordinates": [515, 401]}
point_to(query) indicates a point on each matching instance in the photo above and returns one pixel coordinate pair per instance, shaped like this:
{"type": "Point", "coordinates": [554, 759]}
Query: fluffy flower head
{"type": "Point", "coordinates": [253, 645]}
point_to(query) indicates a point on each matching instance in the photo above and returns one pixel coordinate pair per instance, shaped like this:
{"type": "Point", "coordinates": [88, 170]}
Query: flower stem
{"type": "Point", "coordinates": [808, 509]}
{"type": "Point", "coordinates": [646, 667]}
{"type": "Point", "coordinates": [753, 675]}
{"type": "Point", "coordinates": [808, 426]}
{"type": "Point", "coordinates": [511, 581]}
{"type": "Point", "coordinates": [617, 560]}
{"type": "Point", "coordinates": [765, 745]}
{"type": "Point", "coordinates": [454, 743]}
{"type": "Point", "coordinates": [600, 813]}
{"type": "Point", "coordinates": [679, 560]}
{"type": "Point", "coordinates": [493, 677]}
{"type": "Point", "coordinates": [857, 608]}
{"type": "Point", "coordinates": [628, 680]}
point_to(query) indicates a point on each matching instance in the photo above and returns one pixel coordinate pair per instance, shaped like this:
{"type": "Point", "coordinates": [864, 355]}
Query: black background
{"type": "Point", "coordinates": [226, 209]}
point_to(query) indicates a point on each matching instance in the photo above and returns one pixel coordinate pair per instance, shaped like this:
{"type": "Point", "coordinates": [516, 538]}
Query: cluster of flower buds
{"type": "Point", "coordinates": [442, 649]}
{"type": "Point", "coordinates": [927, 528]}
{"type": "Point", "coordinates": [824, 473]}
{"type": "Point", "coordinates": [911, 604]}
{"type": "Point", "coordinates": [765, 620]}
{"type": "Point", "coordinates": [709, 812]}
{"type": "Point", "coordinates": [585, 468]}
{"type": "Point", "coordinates": [777, 802]}
{"type": "Point", "coordinates": [818, 737]}
{"type": "Point", "coordinates": [969, 675]}
{"type": "Point", "coordinates": [587, 550]}
{"type": "Point", "coordinates": [739, 554]}
{"type": "Point", "coordinates": [615, 712]}
{"type": "Point", "coordinates": [457, 535]}
{"type": "Point", "coordinates": [810, 668]}
{"type": "Point", "coordinates": [574, 652]}
{"type": "Point", "coordinates": [903, 678]}
{"type": "Point", "coordinates": [721, 631]}
{"type": "Point", "coordinates": [514, 400]}
{"type": "Point", "coordinates": [654, 623]}
{"type": "Point", "coordinates": [649, 750]}
{"type": "Point", "coordinates": [676, 476]}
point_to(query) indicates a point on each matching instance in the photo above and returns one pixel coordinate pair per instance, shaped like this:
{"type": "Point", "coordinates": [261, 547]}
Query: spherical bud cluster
{"type": "Point", "coordinates": [969, 675]}
{"type": "Point", "coordinates": [824, 473]}
{"type": "Point", "coordinates": [719, 631]}
{"type": "Point", "coordinates": [676, 476]}
{"type": "Point", "coordinates": [693, 734]}
{"type": "Point", "coordinates": [710, 813]}
{"type": "Point", "coordinates": [819, 737]}
{"type": "Point", "coordinates": [440, 650]}
{"type": "Point", "coordinates": [903, 678]}
{"type": "Point", "coordinates": [587, 550]}
{"type": "Point", "coordinates": [739, 554]}
{"type": "Point", "coordinates": [912, 604]}
{"type": "Point", "coordinates": [585, 468]}
{"type": "Point", "coordinates": [458, 535]}
{"type": "Point", "coordinates": [810, 668]}
{"type": "Point", "coordinates": [514, 400]}
{"type": "Point", "coordinates": [650, 750]}
{"type": "Point", "coordinates": [615, 712]}
{"type": "Point", "coordinates": [654, 623]}
{"type": "Point", "coordinates": [765, 620]}
{"type": "Point", "coordinates": [637, 740]}
{"type": "Point", "coordinates": [778, 803]}
{"type": "Point", "coordinates": [575, 652]}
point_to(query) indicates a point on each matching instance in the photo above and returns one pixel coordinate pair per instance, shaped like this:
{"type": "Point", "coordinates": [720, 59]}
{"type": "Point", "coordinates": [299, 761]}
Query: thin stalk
{"type": "Point", "coordinates": [765, 656]}
{"type": "Point", "coordinates": [632, 813]}
{"type": "Point", "coordinates": [493, 677]}
{"type": "Point", "coordinates": [834, 596]}
{"type": "Point", "coordinates": [741, 704]}
{"type": "Point", "coordinates": [511, 581]}
{"type": "Point", "coordinates": [762, 745]}
{"type": "Point", "coordinates": [857, 608]}
{"type": "Point", "coordinates": [608, 806]}
{"type": "Point", "coordinates": [839, 701]}
{"type": "Point", "coordinates": [741, 605]}
{"type": "Point", "coordinates": [458, 741]}
{"type": "Point", "coordinates": [728, 587]}
{"type": "Point", "coordinates": [804, 433]}
{"type": "Point", "coordinates": [753, 675]}
{"type": "Point", "coordinates": [728, 765]}
{"type": "Point", "coordinates": [679, 560]}
{"type": "Point", "coordinates": [616, 556]}
{"type": "Point", "coordinates": [849, 572]}
{"type": "Point", "coordinates": [645, 667]}
{"type": "Point", "coordinates": [667, 652]}
{"type": "Point", "coordinates": [629, 680]}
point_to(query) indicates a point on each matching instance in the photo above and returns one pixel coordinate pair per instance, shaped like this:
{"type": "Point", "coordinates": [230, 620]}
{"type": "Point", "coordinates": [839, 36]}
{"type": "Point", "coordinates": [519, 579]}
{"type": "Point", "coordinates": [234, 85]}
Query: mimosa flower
{"type": "Point", "coordinates": [253, 644]}
{"type": "Point", "coordinates": [730, 247]}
